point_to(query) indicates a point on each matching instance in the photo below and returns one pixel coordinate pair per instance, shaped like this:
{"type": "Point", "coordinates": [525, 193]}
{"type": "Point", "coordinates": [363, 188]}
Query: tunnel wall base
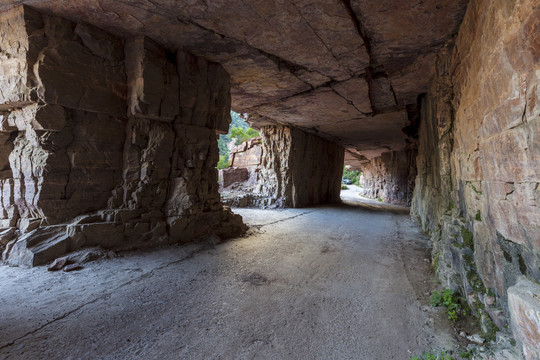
{"type": "Point", "coordinates": [298, 169]}
{"type": "Point", "coordinates": [477, 189]}
{"type": "Point", "coordinates": [105, 142]}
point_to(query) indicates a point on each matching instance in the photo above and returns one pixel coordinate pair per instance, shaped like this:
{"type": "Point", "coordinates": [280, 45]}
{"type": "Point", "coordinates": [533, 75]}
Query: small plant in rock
{"type": "Point", "coordinates": [344, 187]}
{"type": "Point", "coordinates": [430, 356]}
{"type": "Point", "coordinates": [449, 300]}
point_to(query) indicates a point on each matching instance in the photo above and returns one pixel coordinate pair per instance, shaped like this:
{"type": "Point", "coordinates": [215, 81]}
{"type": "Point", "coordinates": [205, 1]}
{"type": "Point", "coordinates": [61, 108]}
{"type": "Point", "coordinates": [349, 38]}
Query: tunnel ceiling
{"type": "Point", "coordinates": [343, 69]}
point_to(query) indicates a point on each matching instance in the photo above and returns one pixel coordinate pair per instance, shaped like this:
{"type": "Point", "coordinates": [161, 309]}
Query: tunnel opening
{"type": "Point", "coordinates": [240, 158]}
{"type": "Point", "coordinates": [109, 114]}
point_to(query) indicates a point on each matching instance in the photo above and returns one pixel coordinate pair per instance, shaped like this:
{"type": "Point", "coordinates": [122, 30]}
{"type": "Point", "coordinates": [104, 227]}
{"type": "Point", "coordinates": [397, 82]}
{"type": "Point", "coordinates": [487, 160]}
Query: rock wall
{"type": "Point", "coordinates": [477, 190]}
{"type": "Point", "coordinates": [245, 163]}
{"type": "Point", "coordinates": [390, 177]}
{"type": "Point", "coordinates": [104, 141]}
{"type": "Point", "coordinates": [298, 169]}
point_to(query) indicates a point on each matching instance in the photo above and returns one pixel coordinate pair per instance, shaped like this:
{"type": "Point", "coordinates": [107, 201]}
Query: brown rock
{"type": "Point", "coordinates": [291, 179]}
{"type": "Point", "coordinates": [234, 175]}
{"type": "Point", "coordinates": [152, 80]}
{"type": "Point", "coordinates": [390, 177]}
{"type": "Point", "coordinates": [523, 300]}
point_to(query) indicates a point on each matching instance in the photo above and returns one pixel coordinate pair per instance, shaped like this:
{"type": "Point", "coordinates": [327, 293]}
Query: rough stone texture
{"type": "Point", "coordinates": [337, 66]}
{"type": "Point", "coordinates": [478, 163]}
{"type": "Point", "coordinates": [245, 163]}
{"type": "Point", "coordinates": [390, 177]}
{"type": "Point", "coordinates": [354, 161]}
{"type": "Point", "coordinates": [83, 166]}
{"type": "Point", "coordinates": [298, 169]}
{"type": "Point", "coordinates": [230, 176]}
{"type": "Point", "coordinates": [247, 154]}
{"type": "Point", "coordinates": [524, 304]}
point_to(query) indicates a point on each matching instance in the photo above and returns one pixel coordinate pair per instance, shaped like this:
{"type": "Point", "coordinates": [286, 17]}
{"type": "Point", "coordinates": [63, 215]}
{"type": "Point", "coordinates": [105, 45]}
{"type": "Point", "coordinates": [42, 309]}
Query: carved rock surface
{"type": "Point", "coordinates": [92, 157]}
{"type": "Point", "coordinates": [335, 60]}
{"type": "Point", "coordinates": [478, 157]}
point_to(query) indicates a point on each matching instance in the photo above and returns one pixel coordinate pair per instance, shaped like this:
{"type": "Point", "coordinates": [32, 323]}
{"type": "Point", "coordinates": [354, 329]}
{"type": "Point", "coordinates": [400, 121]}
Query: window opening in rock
{"type": "Point", "coordinates": [239, 162]}
{"type": "Point", "coordinates": [350, 181]}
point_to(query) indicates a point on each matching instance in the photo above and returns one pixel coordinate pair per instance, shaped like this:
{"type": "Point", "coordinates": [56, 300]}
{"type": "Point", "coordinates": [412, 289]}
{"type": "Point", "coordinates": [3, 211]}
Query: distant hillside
{"type": "Point", "coordinates": [237, 121]}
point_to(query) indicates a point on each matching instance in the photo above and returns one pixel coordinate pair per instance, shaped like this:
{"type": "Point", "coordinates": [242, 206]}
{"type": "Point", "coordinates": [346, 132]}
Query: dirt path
{"type": "Point", "coordinates": [335, 282]}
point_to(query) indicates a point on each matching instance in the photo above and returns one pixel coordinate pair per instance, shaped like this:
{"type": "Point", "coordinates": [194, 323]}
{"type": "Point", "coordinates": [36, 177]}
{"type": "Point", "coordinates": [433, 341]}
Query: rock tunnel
{"type": "Point", "coordinates": [109, 113]}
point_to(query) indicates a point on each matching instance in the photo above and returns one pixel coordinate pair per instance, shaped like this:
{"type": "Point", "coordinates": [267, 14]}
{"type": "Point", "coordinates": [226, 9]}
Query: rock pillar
{"type": "Point", "coordinates": [104, 141]}
{"type": "Point", "coordinates": [390, 177]}
{"type": "Point", "coordinates": [298, 169]}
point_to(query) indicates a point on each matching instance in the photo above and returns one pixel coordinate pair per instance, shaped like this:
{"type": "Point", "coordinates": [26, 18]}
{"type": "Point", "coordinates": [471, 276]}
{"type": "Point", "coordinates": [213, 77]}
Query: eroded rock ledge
{"type": "Point", "coordinates": [104, 141]}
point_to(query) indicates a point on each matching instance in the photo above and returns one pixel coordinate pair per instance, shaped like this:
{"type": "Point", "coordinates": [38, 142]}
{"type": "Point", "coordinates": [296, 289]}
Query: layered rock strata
{"type": "Point", "coordinates": [104, 141]}
{"type": "Point", "coordinates": [298, 168]}
{"type": "Point", "coordinates": [390, 177]}
{"type": "Point", "coordinates": [477, 189]}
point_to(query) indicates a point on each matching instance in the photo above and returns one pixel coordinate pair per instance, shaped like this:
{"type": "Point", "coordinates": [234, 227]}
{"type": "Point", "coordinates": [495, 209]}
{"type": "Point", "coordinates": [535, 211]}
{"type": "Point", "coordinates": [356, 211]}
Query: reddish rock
{"type": "Point", "coordinates": [524, 304]}
{"type": "Point", "coordinates": [390, 177]}
{"type": "Point", "coordinates": [234, 175]}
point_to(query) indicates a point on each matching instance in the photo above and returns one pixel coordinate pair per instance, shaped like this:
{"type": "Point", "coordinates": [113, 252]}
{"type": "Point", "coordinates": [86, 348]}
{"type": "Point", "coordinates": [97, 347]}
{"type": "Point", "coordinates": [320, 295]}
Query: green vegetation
{"type": "Point", "coordinates": [449, 300]}
{"type": "Point", "coordinates": [223, 163]}
{"type": "Point", "coordinates": [344, 187]}
{"type": "Point", "coordinates": [239, 131]}
{"type": "Point", "coordinates": [352, 175]}
{"type": "Point", "coordinates": [451, 205]}
{"type": "Point", "coordinates": [476, 191]}
{"type": "Point", "coordinates": [436, 259]}
{"type": "Point", "coordinates": [379, 199]}
{"type": "Point", "coordinates": [467, 237]}
{"type": "Point", "coordinates": [466, 354]}
{"type": "Point", "coordinates": [240, 135]}
{"type": "Point", "coordinates": [478, 216]}
{"type": "Point", "coordinates": [430, 356]}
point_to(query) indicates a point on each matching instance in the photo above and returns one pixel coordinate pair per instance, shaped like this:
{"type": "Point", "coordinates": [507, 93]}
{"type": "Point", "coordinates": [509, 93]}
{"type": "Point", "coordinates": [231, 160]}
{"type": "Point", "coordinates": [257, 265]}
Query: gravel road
{"type": "Point", "coordinates": [346, 281]}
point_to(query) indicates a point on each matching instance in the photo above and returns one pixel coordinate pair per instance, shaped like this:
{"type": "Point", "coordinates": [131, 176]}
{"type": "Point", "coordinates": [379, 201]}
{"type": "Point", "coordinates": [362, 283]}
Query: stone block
{"type": "Point", "coordinates": [49, 118]}
{"type": "Point", "coordinates": [107, 235]}
{"type": "Point", "coordinates": [204, 93]}
{"type": "Point", "coordinates": [39, 247]}
{"type": "Point", "coordinates": [234, 175]}
{"type": "Point", "coordinates": [152, 80]}
{"type": "Point", "coordinates": [524, 306]}
{"type": "Point", "coordinates": [66, 71]}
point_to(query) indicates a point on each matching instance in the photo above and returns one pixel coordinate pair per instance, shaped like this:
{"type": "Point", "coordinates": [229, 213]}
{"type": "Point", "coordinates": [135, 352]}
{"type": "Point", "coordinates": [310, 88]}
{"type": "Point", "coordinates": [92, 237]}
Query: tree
{"type": "Point", "coordinates": [239, 131]}
{"type": "Point", "coordinates": [240, 135]}
{"type": "Point", "coordinates": [352, 175]}
{"type": "Point", "coordinates": [223, 163]}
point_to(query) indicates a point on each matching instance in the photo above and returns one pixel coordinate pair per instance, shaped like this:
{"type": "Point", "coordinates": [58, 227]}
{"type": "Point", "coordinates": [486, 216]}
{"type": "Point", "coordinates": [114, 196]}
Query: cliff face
{"type": "Point", "coordinates": [105, 144]}
{"type": "Point", "coordinates": [477, 189]}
